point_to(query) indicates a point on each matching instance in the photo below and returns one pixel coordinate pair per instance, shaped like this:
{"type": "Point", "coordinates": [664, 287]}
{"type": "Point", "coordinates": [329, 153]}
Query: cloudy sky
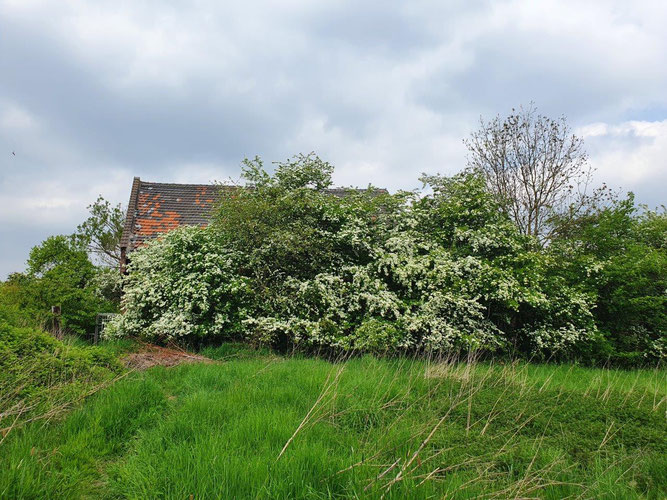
{"type": "Point", "coordinates": [94, 93]}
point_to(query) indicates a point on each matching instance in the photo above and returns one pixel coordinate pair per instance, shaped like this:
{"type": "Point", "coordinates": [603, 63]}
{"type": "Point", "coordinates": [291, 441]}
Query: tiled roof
{"type": "Point", "coordinates": [155, 208]}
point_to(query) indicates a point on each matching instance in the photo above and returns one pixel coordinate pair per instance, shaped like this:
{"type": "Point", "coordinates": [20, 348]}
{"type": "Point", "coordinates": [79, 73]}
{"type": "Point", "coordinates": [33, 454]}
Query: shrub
{"type": "Point", "coordinates": [185, 285]}
{"type": "Point", "coordinates": [289, 264]}
{"type": "Point", "coordinates": [618, 255]}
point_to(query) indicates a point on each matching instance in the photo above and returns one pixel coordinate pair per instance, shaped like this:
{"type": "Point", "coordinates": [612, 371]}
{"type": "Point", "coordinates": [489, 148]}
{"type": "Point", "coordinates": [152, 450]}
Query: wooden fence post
{"type": "Point", "coordinates": [57, 331]}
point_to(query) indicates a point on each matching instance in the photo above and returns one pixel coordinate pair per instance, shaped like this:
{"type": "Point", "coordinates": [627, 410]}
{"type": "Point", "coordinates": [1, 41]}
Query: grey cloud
{"type": "Point", "coordinates": [384, 90]}
{"type": "Point", "coordinates": [144, 126]}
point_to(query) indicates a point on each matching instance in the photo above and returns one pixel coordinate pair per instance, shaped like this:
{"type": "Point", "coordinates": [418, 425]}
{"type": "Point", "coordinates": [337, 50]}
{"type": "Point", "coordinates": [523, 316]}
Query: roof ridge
{"type": "Point", "coordinates": [214, 184]}
{"type": "Point", "coordinates": [186, 184]}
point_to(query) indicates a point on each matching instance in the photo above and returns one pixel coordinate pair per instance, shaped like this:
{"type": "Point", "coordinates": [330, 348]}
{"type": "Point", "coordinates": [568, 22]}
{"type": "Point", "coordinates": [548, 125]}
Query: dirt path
{"type": "Point", "coordinates": [152, 355]}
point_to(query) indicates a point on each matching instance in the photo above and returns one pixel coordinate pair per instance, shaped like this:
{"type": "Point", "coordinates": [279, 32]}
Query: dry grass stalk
{"type": "Point", "coordinates": [60, 408]}
{"type": "Point", "coordinates": [325, 391]}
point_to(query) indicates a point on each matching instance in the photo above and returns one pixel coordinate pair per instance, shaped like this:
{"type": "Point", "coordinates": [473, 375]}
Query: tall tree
{"type": "Point", "coordinates": [59, 272]}
{"type": "Point", "coordinates": [535, 167]}
{"type": "Point", "coordinates": [100, 233]}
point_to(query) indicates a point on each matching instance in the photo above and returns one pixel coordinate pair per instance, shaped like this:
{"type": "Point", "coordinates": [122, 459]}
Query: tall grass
{"type": "Point", "coordinates": [42, 377]}
{"type": "Point", "coordinates": [263, 426]}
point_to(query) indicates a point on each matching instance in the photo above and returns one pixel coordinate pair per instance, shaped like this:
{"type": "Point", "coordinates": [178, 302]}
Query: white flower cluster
{"type": "Point", "coordinates": [180, 286]}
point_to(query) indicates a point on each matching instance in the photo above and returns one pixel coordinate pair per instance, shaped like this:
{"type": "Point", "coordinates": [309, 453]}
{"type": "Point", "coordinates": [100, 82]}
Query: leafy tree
{"type": "Point", "coordinates": [54, 252]}
{"type": "Point", "coordinates": [535, 167]}
{"type": "Point", "coordinates": [533, 311]}
{"type": "Point", "coordinates": [100, 233]}
{"type": "Point", "coordinates": [301, 171]}
{"type": "Point", "coordinates": [619, 254]}
{"type": "Point", "coordinates": [59, 272]}
{"type": "Point", "coordinates": [287, 262]}
{"type": "Point", "coordinates": [287, 224]}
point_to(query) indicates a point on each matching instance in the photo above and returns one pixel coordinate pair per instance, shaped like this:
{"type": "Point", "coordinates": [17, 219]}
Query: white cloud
{"type": "Point", "coordinates": [632, 155]}
{"type": "Point", "coordinates": [61, 203]}
{"type": "Point", "coordinates": [195, 173]}
{"type": "Point", "coordinates": [15, 118]}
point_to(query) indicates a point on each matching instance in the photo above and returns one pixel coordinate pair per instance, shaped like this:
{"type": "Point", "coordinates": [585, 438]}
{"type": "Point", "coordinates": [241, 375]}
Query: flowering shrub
{"type": "Point", "coordinates": [289, 264]}
{"type": "Point", "coordinates": [185, 285]}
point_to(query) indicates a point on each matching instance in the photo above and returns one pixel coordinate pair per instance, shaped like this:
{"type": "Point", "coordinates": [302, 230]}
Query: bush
{"type": "Point", "coordinates": [618, 255]}
{"type": "Point", "coordinates": [288, 263]}
{"type": "Point", "coordinates": [183, 286]}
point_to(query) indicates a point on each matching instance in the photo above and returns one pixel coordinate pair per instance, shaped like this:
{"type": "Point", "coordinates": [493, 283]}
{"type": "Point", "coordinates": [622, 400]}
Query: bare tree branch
{"type": "Point", "coordinates": [537, 169]}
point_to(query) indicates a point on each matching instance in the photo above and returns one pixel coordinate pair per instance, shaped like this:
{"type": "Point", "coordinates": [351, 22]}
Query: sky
{"type": "Point", "coordinates": [95, 93]}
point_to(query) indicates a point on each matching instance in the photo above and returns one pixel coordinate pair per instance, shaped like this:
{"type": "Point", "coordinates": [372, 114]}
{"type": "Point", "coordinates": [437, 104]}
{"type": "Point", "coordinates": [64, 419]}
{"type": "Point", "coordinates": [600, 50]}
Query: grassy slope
{"type": "Point", "coordinates": [402, 428]}
{"type": "Point", "coordinates": [41, 377]}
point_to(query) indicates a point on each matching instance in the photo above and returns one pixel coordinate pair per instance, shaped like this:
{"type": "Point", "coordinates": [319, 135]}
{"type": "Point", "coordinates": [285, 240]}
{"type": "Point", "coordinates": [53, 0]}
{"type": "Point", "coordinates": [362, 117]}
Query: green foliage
{"type": "Point", "coordinates": [40, 375]}
{"type": "Point", "coordinates": [289, 263]}
{"type": "Point", "coordinates": [503, 271]}
{"type": "Point", "coordinates": [185, 285]}
{"type": "Point", "coordinates": [217, 431]}
{"type": "Point", "coordinates": [54, 360]}
{"type": "Point", "coordinates": [59, 272]}
{"type": "Point", "coordinates": [107, 284]}
{"type": "Point", "coordinates": [619, 256]}
{"type": "Point", "coordinates": [100, 233]}
{"type": "Point", "coordinates": [16, 306]}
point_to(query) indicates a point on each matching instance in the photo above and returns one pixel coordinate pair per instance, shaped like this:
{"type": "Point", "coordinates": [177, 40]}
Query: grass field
{"type": "Point", "coordinates": [256, 425]}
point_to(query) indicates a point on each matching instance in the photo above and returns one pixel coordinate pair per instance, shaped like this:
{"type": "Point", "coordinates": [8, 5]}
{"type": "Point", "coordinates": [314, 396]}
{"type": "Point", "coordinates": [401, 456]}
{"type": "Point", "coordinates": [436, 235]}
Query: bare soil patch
{"type": "Point", "coordinates": [153, 355]}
